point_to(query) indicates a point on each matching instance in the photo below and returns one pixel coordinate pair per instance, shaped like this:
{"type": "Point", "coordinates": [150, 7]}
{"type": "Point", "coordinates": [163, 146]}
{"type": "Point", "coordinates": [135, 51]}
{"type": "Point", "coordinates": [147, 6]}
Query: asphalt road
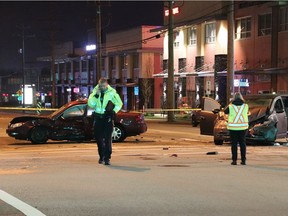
{"type": "Point", "coordinates": [166, 171]}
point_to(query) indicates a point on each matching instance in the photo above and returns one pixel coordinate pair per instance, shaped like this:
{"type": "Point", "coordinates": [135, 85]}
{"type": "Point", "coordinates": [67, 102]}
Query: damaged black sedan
{"type": "Point", "coordinates": [267, 119]}
{"type": "Point", "coordinates": [73, 122]}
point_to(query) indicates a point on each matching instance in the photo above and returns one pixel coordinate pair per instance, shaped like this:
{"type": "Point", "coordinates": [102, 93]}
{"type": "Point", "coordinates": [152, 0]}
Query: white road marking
{"type": "Point", "coordinates": [20, 205]}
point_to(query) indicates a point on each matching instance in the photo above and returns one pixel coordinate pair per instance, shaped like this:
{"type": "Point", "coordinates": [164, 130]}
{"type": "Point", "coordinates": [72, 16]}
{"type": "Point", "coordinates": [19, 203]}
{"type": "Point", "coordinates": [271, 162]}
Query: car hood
{"type": "Point", "coordinates": [257, 113]}
{"type": "Point", "coordinates": [27, 118]}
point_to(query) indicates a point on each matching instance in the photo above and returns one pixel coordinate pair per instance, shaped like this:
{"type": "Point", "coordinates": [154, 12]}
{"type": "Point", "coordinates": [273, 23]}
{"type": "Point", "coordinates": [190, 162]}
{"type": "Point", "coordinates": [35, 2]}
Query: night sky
{"type": "Point", "coordinates": [69, 19]}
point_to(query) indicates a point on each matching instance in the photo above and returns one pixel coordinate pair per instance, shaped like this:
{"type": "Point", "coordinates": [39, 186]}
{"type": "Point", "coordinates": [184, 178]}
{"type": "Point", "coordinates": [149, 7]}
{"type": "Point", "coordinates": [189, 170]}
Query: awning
{"type": "Point", "coordinates": [188, 70]}
{"type": "Point", "coordinates": [268, 71]}
{"type": "Point", "coordinates": [125, 84]}
{"type": "Point", "coordinates": [186, 74]}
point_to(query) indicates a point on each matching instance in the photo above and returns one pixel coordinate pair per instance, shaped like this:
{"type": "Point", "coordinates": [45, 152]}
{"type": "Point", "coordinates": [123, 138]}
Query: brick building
{"type": "Point", "coordinates": [200, 49]}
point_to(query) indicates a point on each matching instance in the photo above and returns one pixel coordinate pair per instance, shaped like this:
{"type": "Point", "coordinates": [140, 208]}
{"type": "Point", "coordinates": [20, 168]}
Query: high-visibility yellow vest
{"type": "Point", "coordinates": [238, 117]}
{"type": "Point", "coordinates": [109, 95]}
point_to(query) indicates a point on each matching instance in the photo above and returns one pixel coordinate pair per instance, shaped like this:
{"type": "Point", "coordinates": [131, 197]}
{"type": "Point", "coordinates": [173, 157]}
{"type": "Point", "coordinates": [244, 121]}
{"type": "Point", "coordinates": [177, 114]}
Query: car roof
{"type": "Point", "coordinates": [77, 102]}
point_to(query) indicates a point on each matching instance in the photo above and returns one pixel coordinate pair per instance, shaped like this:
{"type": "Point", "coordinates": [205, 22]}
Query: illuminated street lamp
{"type": "Point", "coordinates": [174, 11]}
{"type": "Point", "coordinates": [91, 47]}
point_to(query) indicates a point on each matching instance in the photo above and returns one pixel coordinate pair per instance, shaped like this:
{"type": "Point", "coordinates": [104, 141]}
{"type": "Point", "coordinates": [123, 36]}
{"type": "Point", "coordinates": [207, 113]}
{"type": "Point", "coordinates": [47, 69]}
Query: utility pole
{"type": "Point", "coordinates": [99, 43]}
{"type": "Point", "coordinates": [22, 51]}
{"type": "Point", "coordinates": [53, 71]}
{"type": "Point", "coordinates": [23, 65]}
{"type": "Point", "coordinates": [170, 84]}
{"type": "Point", "coordinates": [274, 45]}
{"type": "Point", "coordinates": [230, 54]}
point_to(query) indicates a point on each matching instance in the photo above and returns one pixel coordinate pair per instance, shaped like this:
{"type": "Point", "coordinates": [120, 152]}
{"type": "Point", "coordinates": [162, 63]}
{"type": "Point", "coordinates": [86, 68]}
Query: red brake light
{"type": "Point", "coordinates": [139, 118]}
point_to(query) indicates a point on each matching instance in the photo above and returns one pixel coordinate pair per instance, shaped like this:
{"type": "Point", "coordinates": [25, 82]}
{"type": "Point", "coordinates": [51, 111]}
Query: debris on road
{"type": "Point", "coordinates": [212, 153]}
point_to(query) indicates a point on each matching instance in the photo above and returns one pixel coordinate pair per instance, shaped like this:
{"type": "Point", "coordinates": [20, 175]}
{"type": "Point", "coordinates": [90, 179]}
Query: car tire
{"type": "Point", "coordinates": [194, 122]}
{"type": "Point", "coordinates": [118, 134]}
{"type": "Point", "coordinates": [218, 142]}
{"type": "Point", "coordinates": [39, 135]}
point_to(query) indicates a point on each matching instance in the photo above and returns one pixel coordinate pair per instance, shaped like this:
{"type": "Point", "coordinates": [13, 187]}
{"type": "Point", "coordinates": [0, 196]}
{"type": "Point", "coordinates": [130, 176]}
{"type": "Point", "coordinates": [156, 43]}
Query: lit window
{"type": "Point", "coordinates": [284, 19]}
{"type": "Point", "coordinates": [243, 28]}
{"type": "Point", "coordinates": [210, 33]}
{"type": "Point", "coordinates": [264, 25]}
{"type": "Point", "coordinates": [177, 38]}
{"type": "Point", "coordinates": [192, 36]}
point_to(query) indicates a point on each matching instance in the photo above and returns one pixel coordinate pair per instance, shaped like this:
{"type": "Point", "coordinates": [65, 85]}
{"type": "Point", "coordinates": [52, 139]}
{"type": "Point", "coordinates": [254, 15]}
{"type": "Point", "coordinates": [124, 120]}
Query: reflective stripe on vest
{"type": "Point", "coordinates": [238, 117]}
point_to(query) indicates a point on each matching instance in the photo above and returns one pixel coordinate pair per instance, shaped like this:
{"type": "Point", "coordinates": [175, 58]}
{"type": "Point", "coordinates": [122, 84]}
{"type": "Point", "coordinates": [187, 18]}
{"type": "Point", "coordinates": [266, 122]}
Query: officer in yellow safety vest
{"type": "Point", "coordinates": [106, 102]}
{"type": "Point", "coordinates": [237, 125]}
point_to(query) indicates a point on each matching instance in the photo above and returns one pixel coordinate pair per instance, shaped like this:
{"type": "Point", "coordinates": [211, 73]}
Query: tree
{"type": "Point", "coordinates": [147, 82]}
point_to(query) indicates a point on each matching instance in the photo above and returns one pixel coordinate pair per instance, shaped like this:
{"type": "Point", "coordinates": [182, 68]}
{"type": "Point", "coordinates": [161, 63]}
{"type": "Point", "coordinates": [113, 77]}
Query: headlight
{"type": "Point", "coordinates": [16, 125]}
{"type": "Point", "coordinates": [221, 115]}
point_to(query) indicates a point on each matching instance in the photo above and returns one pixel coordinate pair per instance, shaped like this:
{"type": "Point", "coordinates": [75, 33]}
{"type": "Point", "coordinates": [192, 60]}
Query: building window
{"type": "Point", "coordinates": [192, 36]}
{"type": "Point", "coordinates": [177, 39]}
{"type": "Point", "coordinates": [264, 24]}
{"type": "Point", "coordinates": [284, 19]}
{"type": "Point", "coordinates": [112, 62]}
{"type": "Point", "coordinates": [210, 33]}
{"type": "Point", "coordinates": [243, 28]}
{"type": "Point", "coordinates": [84, 65]}
{"type": "Point", "coordinates": [136, 60]}
{"type": "Point", "coordinates": [165, 64]}
{"type": "Point", "coordinates": [123, 62]}
{"type": "Point", "coordinates": [181, 63]}
{"type": "Point", "coordinates": [103, 64]}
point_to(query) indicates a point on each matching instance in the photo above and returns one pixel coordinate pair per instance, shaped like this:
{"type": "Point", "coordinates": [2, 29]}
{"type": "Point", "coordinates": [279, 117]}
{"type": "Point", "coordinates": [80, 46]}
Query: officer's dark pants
{"type": "Point", "coordinates": [103, 128]}
{"type": "Point", "coordinates": [238, 137]}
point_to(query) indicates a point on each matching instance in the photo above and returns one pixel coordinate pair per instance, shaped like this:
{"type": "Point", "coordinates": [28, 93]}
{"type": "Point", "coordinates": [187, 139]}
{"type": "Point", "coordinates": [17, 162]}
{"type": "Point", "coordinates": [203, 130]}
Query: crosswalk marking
{"type": "Point", "coordinates": [20, 205]}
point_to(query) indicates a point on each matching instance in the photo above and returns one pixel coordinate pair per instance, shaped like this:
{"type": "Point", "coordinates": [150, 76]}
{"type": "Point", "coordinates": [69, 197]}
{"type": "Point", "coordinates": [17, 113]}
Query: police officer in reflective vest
{"type": "Point", "coordinates": [106, 102]}
{"type": "Point", "coordinates": [237, 125]}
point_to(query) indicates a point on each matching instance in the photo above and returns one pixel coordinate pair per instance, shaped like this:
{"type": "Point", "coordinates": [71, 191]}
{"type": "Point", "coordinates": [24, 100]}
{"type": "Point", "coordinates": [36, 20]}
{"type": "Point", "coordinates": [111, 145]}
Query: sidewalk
{"type": "Point", "coordinates": [162, 118]}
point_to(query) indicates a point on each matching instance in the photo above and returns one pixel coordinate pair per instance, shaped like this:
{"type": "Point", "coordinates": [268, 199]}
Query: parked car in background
{"type": "Point", "coordinates": [73, 122]}
{"type": "Point", "coordinates": [267, 119]}
{"type": "Point", "coordinates": [195, 116]}
{"type": "Point", "coordinates": [207, 105]}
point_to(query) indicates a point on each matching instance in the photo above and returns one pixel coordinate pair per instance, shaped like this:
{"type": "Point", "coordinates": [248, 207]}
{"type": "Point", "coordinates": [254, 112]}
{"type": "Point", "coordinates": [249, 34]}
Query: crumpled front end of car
{"type": "Point", "coordinates": [263, 130]}
{"type": "Point", "coordinates": [260, 130]}
{"type": "Point", "coordinates": [220, 130]}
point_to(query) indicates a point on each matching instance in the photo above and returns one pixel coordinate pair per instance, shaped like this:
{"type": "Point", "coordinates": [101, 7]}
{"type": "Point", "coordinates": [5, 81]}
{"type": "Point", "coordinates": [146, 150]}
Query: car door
{"type": "Point", "coordinates": [207, 117]}
{"type": "Point", "coordinates": [278, 110]}
{"type": "Point", "coordinates": [71, 124]}
{"type": "Point", "coordinates": [285, 101]}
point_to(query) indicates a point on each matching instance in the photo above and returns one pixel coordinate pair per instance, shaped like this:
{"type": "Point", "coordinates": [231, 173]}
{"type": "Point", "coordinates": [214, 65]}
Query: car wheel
{"type": "Point", "coordinates": [39, 135]}
{"type": "Point", "coordinates": [194, 122]}
{"type": "Point", "coordinates": [118, 134]}
{"type": "Point", "coordinates": [218, 142]}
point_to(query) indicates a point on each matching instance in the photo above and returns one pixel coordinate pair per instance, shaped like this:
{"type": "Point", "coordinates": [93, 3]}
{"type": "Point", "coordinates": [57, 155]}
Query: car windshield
{"type": "Point", "coordinates": [258, 102]}
{"type": "Point", "coordinates": [60, 110]}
